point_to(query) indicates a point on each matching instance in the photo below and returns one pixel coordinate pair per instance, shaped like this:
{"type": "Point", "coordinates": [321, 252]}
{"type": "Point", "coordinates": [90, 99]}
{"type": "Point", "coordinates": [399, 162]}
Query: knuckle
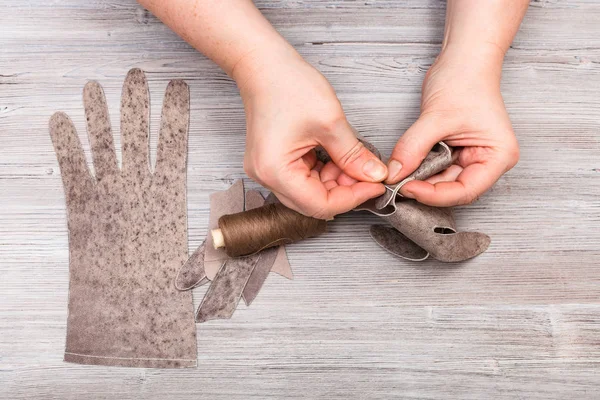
{"type": "Point", "coordinates": [264, 172]}
{"type": "Point", "coordinates": [321, 213]}
{"type": "Point", "coordinates": [249, 168]}
{"type": "Point", "coordinates": [513, 156]}
{"type": "Point", "coordinates": [334, 119]}
{"type": "Point", "coordinates": [356, 152]}
{"type": "Point", "coordinates": [407, 150]}
{"type": "Point", "coordinates": [315, 208]}
{"type": "Point", "coordinates": [469, 197]}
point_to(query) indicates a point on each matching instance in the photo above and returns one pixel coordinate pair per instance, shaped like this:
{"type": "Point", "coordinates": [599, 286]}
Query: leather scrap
{"type": "Point", "coordinates": [239, 277]}
{"type": "Point", "coordinates": [230, 201]}
{"type": "Point", "coordinates": [192, 274]}
{"type": "Point", "coordinates": [127, 232]}
{"type": "Point", "coordinates": [225, 291]}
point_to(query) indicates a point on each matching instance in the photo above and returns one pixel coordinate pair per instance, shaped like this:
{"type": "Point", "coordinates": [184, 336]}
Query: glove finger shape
{"type": "Point", "coordinates": [397, 244]}
{"type": "Point", "coordinates": [224, 293]}
{"type": "Point", "coordinates": [135, 115]}
{"type": "Point", "coordinates": [434, 230]}
{"type": "Point", "coordinates": [76, 177]}
{"type": "Point", "coordinates": [127, 236]}
{"type": "Point", "coordinates": [171, 151]}
{"type": "Point", "coordinates": [99, 131]}
{"type": "Point", "coordinates": [192, 273]}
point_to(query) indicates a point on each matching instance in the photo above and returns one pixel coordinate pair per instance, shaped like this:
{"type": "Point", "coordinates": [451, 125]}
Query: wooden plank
{"type": "Point", "coordinates": [344, 350]}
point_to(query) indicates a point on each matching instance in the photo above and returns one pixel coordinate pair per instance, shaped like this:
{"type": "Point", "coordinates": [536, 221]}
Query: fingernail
{"type": "Point", "coordinates": [375, 170]}
{"type": "Point", "coordinates": [394, 168]}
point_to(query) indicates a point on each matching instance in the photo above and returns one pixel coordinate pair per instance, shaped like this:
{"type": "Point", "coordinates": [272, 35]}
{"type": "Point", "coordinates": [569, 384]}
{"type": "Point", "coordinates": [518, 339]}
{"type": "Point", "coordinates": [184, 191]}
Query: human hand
{"type": "Point", "coordinates": [461, 105]}
{"type": "Point", "coordinates": [290, 109]}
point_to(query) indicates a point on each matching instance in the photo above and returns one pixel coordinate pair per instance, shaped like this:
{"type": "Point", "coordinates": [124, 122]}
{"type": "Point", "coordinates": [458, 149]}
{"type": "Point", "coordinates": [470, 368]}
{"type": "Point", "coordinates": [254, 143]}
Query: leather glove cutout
{"type": "Point", "coordinates": [127, 232]}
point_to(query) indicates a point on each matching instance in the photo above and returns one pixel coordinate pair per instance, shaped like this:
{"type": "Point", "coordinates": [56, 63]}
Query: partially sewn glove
{"type": "Point", "coordinates": [420, 231]}
{"type": "Point", "coordinates": [127, 232]}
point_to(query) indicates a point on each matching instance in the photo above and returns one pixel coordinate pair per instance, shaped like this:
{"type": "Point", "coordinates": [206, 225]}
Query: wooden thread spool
{"type": "Point", "coordinates": [251, 231]}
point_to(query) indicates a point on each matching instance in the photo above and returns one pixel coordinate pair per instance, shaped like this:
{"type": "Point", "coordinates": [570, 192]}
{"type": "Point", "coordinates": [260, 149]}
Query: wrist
{"type": "Point", "coordinates": [261, 65]}
{"type": "Point", "coordinates": [483, 59]}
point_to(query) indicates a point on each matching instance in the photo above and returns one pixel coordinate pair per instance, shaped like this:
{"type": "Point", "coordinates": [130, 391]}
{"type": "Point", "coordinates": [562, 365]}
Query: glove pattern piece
{"type": "Point", "coordinates": [419, 230]}
{"type": "Point", "coordinates": [127, 232]}
{"type": "Point", "coordinates": [432, 229]}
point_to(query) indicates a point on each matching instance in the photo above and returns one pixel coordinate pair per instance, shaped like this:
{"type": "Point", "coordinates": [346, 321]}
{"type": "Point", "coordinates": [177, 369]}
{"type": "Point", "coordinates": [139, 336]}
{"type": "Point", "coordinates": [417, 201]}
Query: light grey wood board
{"type": "Point", "coordinates": [520, 321]}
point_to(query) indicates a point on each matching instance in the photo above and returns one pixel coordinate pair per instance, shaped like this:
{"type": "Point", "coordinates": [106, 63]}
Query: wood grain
{"type": "Point", "coordinates": [520, 321]}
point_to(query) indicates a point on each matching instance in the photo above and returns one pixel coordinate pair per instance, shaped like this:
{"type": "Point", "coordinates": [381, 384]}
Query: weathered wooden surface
{"type": "Point", "coordinates": [520, 321]}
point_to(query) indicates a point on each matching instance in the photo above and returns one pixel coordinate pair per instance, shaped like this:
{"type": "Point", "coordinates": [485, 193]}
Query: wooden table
{"type": "Point", "coordinates": [520, 321]}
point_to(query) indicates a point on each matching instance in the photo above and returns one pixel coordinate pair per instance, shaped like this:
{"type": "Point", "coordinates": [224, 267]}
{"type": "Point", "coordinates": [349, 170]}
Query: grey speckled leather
{"type": "Point", "coordinates": [437, 160]}
{"type": "Point", "coordinates": [431, 229]}
{"type": "Point", "coordinates": [397, 243]}
{"type": "Point", "coordinates": [127, 233]}
{"type": "Point", "coordinates": [224, 293]}
{"type": "Point", "coordinates": [192, 273]}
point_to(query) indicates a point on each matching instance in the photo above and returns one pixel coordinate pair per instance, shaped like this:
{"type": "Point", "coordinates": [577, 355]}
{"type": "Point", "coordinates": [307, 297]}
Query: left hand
{"type": "Point", "coordinates": [461, 105]}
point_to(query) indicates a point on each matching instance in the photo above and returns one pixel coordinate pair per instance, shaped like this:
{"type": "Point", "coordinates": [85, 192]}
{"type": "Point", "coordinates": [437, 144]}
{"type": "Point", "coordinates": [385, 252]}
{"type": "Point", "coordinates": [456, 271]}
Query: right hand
{"type": "Point", "coordinates": [291, 109]}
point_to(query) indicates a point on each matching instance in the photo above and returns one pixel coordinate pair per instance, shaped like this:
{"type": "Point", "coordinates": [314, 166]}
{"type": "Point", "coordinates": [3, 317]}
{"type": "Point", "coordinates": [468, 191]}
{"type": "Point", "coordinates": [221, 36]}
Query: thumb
{"type": "Point", "coordinates": [412, 148]}
{"type": "Point", "coordinates": [351, 155]}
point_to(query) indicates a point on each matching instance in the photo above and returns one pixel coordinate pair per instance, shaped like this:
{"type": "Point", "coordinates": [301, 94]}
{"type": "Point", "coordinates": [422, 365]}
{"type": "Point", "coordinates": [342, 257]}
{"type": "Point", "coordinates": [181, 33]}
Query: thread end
{"type": "Point", "coordinates": [218, 239]}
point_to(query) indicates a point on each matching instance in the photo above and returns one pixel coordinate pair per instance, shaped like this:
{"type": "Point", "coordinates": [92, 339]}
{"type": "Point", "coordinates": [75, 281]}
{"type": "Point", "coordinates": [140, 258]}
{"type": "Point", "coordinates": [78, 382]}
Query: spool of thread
{"type": "Point", "coordinates": [251, 231]}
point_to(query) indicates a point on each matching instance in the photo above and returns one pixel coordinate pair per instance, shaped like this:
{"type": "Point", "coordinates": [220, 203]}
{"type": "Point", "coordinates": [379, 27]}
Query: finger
{"type": "Point", "coordinates": [318, 166]}
{"type": "Point", "coordinates": [448, 175]}
{"type": "Point", "coordinates": [353, 157]}
{"type": "Point", "coordinates": [330, 172]}
{"type": "Point", "coordinates": [99, 131]}
{"type": "Point", "coordinates": [346, 180]}
{"type": "Point", "coordinates": [312, 198]}
{"type": "Point", "coordinates": [310, 159]}
{"type": "Point", "coordinates": [171, 152]}
{"type": "Point", "coordinates": [412, 147]}
{"type": "Point", "coordinates": [70, 155]}
{"type": "Point", "coordinates": [361, 192]}
{"type": "Point", "coordinates": [471, 183]}
{"type": "Point", "coordinates": [330, 184]}
{"type": "Point", "coordinates": [134, 123]}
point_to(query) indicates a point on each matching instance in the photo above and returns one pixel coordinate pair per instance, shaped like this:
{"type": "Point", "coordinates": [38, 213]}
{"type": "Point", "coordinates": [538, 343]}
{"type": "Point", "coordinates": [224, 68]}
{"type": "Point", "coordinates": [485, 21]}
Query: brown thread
{"type": "Point", "coordinates": [271, 225]}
